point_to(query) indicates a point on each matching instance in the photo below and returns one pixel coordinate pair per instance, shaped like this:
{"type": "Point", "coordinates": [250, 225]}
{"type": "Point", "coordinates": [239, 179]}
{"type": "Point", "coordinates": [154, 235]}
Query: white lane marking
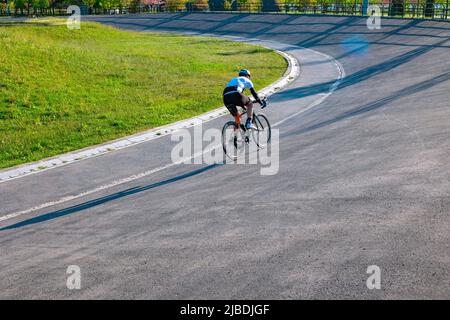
{"type": "Point", "coordinates": [43, 165]}
{"type": "Point", "coordinates": [150, 172]}
{"type": "Point", "coordinates": [333, 88]}
{"type": "Point", "coordinates": [312, 105]}
{"type": "Point", "coordinates": [106, 186]}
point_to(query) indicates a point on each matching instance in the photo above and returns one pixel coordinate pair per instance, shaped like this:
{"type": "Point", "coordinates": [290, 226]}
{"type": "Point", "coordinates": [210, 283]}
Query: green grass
{"type": "Point", "coordinates": [61, 90]}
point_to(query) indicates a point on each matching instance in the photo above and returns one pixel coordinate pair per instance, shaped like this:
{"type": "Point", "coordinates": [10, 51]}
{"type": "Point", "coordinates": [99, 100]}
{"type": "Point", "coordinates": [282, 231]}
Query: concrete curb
{"type": "Point", "coordinates": [9, 174]}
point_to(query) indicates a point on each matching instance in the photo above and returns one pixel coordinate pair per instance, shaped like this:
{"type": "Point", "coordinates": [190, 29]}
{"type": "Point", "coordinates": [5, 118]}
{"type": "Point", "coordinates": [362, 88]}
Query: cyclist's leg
{"type": "Point", "coordinates": [233, 111]}
{"type": "Point", "coordinates": [231, 102]}
{"type": "Point", "coordinates": [249, 107]}
{"type": "Point", "coordinates": [247, 102]}
{"type": "Point", "coordinates": [237, 119]}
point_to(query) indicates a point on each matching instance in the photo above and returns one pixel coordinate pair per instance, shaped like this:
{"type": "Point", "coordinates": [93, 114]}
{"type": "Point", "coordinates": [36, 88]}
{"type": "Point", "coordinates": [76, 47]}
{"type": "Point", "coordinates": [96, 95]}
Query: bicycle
{"type": "Point", "coordinates": [235, 137]}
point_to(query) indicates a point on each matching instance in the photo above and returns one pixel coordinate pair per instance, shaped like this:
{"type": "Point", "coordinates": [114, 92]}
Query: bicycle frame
{"type": "Point", "coordinates": [246, 134]}
{"type": "Point", "coordinates": [237, 118]}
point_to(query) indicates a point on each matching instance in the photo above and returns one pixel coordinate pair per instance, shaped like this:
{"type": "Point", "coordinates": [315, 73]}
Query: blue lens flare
{"type": "Point", "coordinates": [355, 45]}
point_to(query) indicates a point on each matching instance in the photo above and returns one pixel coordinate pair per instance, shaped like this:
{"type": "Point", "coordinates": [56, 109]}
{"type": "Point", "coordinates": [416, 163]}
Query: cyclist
{"type": "Point", "coordinates": [233, 96]}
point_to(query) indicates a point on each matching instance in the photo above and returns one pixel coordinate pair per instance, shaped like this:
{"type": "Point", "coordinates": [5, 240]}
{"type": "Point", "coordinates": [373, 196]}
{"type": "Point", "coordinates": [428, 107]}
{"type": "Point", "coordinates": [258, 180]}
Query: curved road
{"type": "Point", "coordinates": [364, 179]}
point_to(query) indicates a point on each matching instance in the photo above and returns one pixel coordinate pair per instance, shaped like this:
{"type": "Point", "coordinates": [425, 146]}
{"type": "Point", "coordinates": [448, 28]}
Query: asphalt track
{"type": "Point", "coordinates": [364, 179]}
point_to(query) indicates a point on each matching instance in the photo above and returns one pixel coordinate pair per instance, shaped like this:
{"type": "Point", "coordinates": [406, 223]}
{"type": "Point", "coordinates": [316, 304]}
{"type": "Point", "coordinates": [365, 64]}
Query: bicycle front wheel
{"type": "Point", "coordinates": [263, 132]}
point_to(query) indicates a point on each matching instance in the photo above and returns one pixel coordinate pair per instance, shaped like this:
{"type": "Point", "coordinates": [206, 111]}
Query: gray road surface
{"type": "Point", "coordinates": [363, 180]}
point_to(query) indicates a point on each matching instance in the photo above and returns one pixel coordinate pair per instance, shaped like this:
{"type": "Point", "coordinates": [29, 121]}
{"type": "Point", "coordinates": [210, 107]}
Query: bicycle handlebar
{"type": "Point", "coordinates": [263, 103]}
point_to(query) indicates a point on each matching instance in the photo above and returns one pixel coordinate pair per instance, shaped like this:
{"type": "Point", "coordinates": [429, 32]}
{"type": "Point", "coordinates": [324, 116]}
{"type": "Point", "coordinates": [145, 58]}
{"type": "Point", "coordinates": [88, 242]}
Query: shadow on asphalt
{"type": "Point", "coordinates": [254, 25]}
{"type": "Point", "coordinates": [336, 26]}
{"type": "Point", "coordinates": [99, 201]}
{"type": "Point", "coordinates": [356, 77]}
{"type": "Point", "coordinates": [378, 103]}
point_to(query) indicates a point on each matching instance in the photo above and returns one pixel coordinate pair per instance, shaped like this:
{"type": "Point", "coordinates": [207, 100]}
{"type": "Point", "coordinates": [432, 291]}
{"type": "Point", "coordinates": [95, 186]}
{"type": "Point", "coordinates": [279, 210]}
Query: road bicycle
{"type": "Point", "coordinates": [236, 138]}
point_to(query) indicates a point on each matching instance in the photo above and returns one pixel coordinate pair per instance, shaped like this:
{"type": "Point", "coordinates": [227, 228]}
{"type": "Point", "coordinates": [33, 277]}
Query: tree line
{"type": "Point", "coordinates": [315, 6]}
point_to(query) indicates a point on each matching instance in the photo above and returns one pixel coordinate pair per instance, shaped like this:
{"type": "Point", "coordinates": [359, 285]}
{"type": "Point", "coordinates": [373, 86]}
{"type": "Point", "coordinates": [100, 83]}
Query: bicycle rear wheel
{"type": "Point", "coordinates": [233, 140]}
{"type": "Point", "coordinates": [263, 132]}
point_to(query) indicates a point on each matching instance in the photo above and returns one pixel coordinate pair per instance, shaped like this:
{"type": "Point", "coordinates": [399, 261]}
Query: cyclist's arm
{"type": "Point", "coordinates": [249, 84]}
{"type": "Point", "coordinates": [255, 95]}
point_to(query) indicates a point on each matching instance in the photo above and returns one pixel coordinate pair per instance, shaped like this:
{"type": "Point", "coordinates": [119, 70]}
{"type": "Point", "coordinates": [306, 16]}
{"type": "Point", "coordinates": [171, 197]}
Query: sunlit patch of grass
{"type": "Point", "coordinates": [62, 89]}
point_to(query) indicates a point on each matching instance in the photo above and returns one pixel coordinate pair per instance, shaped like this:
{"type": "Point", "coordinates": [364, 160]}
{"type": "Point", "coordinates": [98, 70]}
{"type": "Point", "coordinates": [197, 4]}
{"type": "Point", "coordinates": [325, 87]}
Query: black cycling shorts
{"type": "Point", "coordinates": [234, 99]}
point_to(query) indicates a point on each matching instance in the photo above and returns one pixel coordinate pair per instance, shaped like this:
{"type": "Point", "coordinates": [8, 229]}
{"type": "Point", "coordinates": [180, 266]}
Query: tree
{"type": "Point", "coordinates": [43, 4]}
{"type": "Point", "coordinates": [325, 5]}
{"type": "Point", "coordinates": [135, 5]}
{"type": "Point", "coordinates": [230, 5]}
{"type": "Point", "coordinates": [270, 6]}
{"type": "Point", "coordinates": [19, 4]}
{"type": "Point", "coordinates": [125, 3]}
{"type": "Point", "coordinates": [216, 5]}
{"type": "Point", "coordinates": [90, 3]}
{"type": "Point", "coordinates": [429, 8]}
{"type": "Point", "coordinates": [396, 8]}
{"type": "Point", "coordinates": [200, 5]}
{"type": "Point", "coordinates": [107, 4]}
{"type": "Point", "coordinates": [28, 4]}
{"type": "Point", "coordinates": [176, 5]}
{"type": "Point", "coordinates": [150, 2]}
{"type": "Point", "coordinates": [249, 5]}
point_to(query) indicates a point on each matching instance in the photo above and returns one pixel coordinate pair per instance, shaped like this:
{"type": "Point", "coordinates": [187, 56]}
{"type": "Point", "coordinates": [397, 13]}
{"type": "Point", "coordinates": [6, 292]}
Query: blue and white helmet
{"type": "Point", "coordinates": [244, 73]}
